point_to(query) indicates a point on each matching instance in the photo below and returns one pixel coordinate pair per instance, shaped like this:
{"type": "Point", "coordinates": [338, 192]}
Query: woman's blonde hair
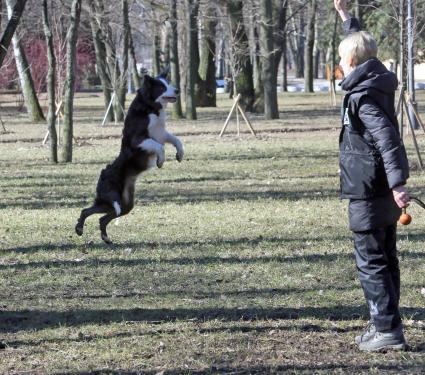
{"type": "Point", "coordinates": [360, 46]}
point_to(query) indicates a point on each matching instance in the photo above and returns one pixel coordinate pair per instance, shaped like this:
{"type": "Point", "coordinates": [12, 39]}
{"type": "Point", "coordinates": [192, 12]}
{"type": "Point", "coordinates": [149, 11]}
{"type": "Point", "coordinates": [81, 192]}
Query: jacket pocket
{"type": "Point", "coordinates": [362, 175]}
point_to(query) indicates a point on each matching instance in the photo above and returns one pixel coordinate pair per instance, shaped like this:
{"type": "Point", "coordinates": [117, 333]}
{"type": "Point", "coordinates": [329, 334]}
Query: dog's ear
{"type": "Point", "coordinates": [145, 89]}
{"type": "Point", "coordinates": [144, 101]}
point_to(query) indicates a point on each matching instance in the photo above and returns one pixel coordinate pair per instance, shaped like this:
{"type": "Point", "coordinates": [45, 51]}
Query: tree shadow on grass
{"type": "Point", "coordinates": [167, 245]}
{"type": "Point", "coordinates": [175, 196]}
{"type": "Point", "coordinates": [182, 261]}
{"type": "Point", "coordinates": [313, 368]}
{"type": "Point", "coordinates": [157, 331]}
{"type": "Point", "coordinates": [13, 321]}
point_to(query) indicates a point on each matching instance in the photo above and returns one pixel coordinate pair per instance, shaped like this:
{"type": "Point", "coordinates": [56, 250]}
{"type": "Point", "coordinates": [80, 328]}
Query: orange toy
{"type": "Point", "coordinates": [405, 218]}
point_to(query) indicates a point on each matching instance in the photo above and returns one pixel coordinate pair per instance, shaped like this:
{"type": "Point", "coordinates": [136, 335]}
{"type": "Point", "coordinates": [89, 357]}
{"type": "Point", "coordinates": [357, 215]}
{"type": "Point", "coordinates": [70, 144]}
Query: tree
{"type": "Point", "coordinates": [309, 63]}
{"type": "Point", "coordinates": [8, 33]}
{"type": "Point", "coordinates": [268, 63]}
{"type": "Point", "coordinates": [101, 59]}
{"type": "Point", "coordinates": [67, 129]}
{"type": "Point", "coordinates": [296, 39]}
{"type": "Point", "coordinates": [207, 85]}
{"type": "Point", "coordinates": [135, 74]}
{"type": "Point", "coordinates": [27, 84]}
{"type": "Point", "coordinates": [174, 59]}
{"type": "Point", "coordinates": [241, 63]}
{"type": "Point", "coordinates": [191, 11]}
{"type": "Point", "coordinates": [122, 88]}
{"type": "Point", "coordinates": [51, 83]}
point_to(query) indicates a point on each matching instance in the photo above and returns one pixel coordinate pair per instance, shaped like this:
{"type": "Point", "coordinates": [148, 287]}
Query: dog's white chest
{"type": "Point", "coordinates": [156, 127]}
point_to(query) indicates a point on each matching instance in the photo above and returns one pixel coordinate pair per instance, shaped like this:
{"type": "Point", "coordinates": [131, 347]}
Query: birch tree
{"type": "Point", "coordinates": [32, 104]}
{"type": "Point", "coordinates": [10, 29]}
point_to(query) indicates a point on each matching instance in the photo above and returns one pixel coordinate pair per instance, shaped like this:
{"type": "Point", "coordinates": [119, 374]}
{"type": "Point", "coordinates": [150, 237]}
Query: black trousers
{"type": "Point", "coordinates": [379, 274]}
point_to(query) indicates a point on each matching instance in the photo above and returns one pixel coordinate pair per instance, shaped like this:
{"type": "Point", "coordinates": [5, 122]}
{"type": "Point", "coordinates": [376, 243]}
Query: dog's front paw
{"type": "Point", "coordinates": [179, 156]}
{"type": "Point", "coordinates": [79, 229]}
{"type": "Point", "coordinates": [160, 162]}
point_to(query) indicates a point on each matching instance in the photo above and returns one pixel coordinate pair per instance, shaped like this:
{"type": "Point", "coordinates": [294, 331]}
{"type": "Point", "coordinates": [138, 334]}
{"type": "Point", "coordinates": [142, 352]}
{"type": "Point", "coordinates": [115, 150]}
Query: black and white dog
{"type": "Point", "coordinates": [142, 147]}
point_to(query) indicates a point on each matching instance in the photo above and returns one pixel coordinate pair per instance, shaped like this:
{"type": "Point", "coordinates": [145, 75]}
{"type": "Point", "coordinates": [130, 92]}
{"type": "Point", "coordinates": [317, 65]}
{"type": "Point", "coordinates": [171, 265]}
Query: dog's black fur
{"type": "Point", "coordinates": [117, 180]}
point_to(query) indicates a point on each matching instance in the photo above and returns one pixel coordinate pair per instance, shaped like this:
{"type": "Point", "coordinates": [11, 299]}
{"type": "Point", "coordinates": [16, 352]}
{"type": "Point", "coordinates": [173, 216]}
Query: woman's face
{"type": "Point", "coordinates": [346, 63]}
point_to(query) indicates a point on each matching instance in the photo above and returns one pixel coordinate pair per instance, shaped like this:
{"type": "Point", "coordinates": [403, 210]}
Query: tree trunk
{"type": "Point", "coordinates": [333, 51]}
{"type": "Point", "coordinates": [156, 52]}
{"type": "Point", "coordinates": [358, 10]}
{"type": "Point", "coordinates": [280, 11]}
{"type": "Point", "coordinates": [122, 89]}
{"type": "Point", "coordinates": [207, 97]}
{"type": "Point", "coordinates": [137, 82]}
{"type": "Point", "coordinates": [71, 49]}
{"type": "Point", "coordinates": [12, 24]}
{"type": "Point", "coordinates": [199, 84]}
{"type": "Point", "coordinates": [242, 66]}
{"type": "Point", "coordinates": [51, 83]}
{"type": "Point", "coordinates": [101, 59]}
{"type": "Point", "coordinates": [296, 43]}
{"type": "Point", "coordinates": [268, 60]}
{"type": "Point", "coordinates": [191, 59]}
{"type": "Point", "coordinates": [284, 64]}
{"type": "Point", "coordinates": [258, 74]}
{"type": "Point", "coordinates": [309, 63]}
{"type": "Point", "coordinates": [174, 59]}
{"type": "Point", "coordinates": [25, 78]}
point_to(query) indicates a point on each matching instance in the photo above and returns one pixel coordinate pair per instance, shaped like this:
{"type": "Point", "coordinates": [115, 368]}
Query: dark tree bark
{"type": "Point", "coordinates": [174, 59]}
{"type": "Point", "coordinates": [309, 63]}
{"type": "Point", "coordinates": [122, 88]}
{"type": "Point", "coordinates": [257, 67]}
{"type": "Point", "coordinates": [296, 41]}
{"type": "Point", "coordinates": [192, 48]}
{"type": "Point", "coordinates": [12, 24]}
{"type": "Point", "coordinates": [51, 83]}
{"type": "Point", "coordinates": [279, 14]}
{"type": "Point", "coordinates": [268, 60]}
{"type": "Point", "coordinates": [207, 97]}
{"type": "Point", "coordinates": [196, 59]}
{"type": "Point", "coordinates": [333, 51]}
{"type": "Point", "coordinates": [359, 10]}
{"type": "Point", "coordinates": [71, 49]}
{"type": "Point", "coordinates": [135, 73]}
{"type": "Point", "coordinates": [101, 58]}
{"type": "Point", "coordinates": [241, 58]}
{"type": "Point", "coordinates": [156, 50]}
{"type": "Point", "coordinates": [29, 93]}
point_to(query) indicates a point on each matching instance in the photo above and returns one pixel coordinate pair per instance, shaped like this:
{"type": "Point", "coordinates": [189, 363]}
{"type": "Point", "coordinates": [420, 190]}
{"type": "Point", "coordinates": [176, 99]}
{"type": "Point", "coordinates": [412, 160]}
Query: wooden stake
{"type": "Point", "coordinates": [109, 108]}
{"type": "Point", "coordinates": [246, 120]}
{"type": "Point", "coordinates": [57, 114]}
{"type": "Point", "coordinates": [230, 115]}
{"type": "Point", "coordinates": [237, 107]}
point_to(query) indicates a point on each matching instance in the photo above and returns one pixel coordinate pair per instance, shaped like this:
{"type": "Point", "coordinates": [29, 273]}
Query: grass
{"type": "Point", "coordinates": [237, 260]}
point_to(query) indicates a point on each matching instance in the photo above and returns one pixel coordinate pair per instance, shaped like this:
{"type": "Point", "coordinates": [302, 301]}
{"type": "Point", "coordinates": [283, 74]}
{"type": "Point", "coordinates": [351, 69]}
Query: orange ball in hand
{"type": "Point", "coordinates": [405, 219]}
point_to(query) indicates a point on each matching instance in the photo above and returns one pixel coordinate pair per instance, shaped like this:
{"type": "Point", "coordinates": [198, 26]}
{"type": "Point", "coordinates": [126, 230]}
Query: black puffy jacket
{"type": "Point", "coordinates": [372, 156]}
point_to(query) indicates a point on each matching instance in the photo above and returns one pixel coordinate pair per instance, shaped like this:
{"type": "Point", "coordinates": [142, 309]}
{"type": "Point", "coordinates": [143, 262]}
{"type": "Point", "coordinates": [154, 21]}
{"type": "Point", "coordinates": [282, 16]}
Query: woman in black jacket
{"type": "Point", "coordinates": [374, 171]}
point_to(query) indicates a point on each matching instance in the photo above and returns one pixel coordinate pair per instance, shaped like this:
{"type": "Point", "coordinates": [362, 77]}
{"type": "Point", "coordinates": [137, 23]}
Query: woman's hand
{"type": "Point", "coordinates": [401, 196]}
{"type": "Point", "coordinates": [341, 7]}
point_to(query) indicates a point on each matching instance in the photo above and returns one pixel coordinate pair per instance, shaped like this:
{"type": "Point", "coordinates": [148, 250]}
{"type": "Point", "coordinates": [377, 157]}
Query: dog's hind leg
{"type": "Point", "coordinates": [103, 222]}
{"type": "Point", "coordinates": [95, 209]}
